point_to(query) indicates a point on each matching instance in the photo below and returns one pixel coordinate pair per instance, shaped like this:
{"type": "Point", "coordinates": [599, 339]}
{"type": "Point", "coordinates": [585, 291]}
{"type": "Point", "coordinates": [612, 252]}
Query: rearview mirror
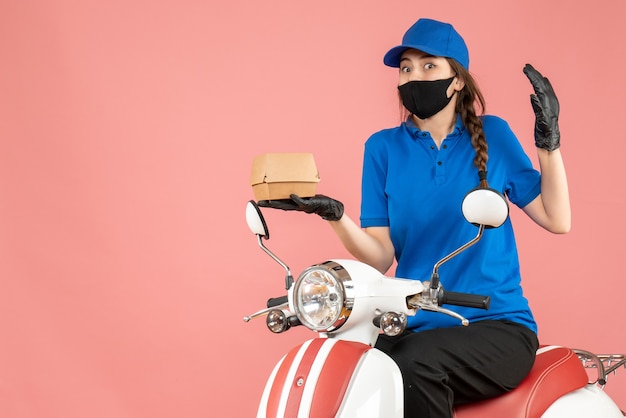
{"type": "Point", "coordinates": [485, 207]}
{"type": "Point", "coordinates": [255, 220]}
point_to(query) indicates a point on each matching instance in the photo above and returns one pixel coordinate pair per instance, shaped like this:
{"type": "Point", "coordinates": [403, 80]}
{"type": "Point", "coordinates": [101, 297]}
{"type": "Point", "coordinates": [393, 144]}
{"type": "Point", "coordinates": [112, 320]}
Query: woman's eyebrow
{"type": "Point", "coordinates": [425, 56]}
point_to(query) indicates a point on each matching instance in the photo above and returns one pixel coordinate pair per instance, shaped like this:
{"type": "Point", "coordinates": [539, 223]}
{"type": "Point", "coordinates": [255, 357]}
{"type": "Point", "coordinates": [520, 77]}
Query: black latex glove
{"type": "Point", "coordinates": [324, 206]}
{"type": "Point", "coordinates": [546, 107]}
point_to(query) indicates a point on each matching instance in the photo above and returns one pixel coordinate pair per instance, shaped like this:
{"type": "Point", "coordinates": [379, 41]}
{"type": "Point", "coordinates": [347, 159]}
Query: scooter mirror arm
{"type": "Point", "coordinates": [288, 276]}
{"type": "Point", "coordinates": [434, 280]}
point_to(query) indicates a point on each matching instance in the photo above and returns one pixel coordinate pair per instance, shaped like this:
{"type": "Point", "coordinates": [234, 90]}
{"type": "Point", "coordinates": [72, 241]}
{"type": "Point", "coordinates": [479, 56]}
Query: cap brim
{"type": "Point", "coordinates": [393, 56]}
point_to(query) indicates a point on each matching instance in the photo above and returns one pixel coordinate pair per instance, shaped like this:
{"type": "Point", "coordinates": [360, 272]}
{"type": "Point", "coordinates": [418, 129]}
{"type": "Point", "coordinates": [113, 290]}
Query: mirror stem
{"type": "Point", "coordinates": [288, 277]}
{"type": "Point", "coordinates": [434, 279]}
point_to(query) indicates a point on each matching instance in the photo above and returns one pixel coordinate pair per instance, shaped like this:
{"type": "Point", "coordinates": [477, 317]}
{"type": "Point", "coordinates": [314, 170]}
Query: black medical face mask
{"type": "Point", "coordinates": [425, 98]}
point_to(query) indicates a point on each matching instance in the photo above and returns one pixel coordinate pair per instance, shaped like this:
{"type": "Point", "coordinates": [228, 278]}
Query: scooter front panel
{"type": "Point", "coordinates": [376, 389]}
{"type": "Point", "coordinates": [311, 379]}
{"type": "Point", "coordinates": [334, 378]}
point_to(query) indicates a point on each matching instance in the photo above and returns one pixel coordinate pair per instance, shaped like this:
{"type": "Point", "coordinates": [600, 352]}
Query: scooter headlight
{"type": "Point", "coordinates": [323, 296]}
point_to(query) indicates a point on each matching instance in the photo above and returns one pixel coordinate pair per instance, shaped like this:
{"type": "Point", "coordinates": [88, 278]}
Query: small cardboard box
{"type": "Point", "coordinates": [278, 175]}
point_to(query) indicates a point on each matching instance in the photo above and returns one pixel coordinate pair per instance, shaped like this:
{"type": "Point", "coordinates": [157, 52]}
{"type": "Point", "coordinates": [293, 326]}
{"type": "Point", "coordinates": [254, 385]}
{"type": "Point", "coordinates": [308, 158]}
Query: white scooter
{"type": "Point", "coordinates": [341, 374]}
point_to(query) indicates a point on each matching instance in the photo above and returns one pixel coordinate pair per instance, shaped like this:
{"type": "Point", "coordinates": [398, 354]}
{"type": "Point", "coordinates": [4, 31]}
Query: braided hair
{"type": "Point", "coordinates": [470, 98]}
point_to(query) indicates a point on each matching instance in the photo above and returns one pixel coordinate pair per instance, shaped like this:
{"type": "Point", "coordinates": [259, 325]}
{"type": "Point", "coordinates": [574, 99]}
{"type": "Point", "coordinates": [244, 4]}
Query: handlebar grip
{"type": "Point", "coordinates": [464, 299]}
{"type": "Point", "coordinates": [281, 300]}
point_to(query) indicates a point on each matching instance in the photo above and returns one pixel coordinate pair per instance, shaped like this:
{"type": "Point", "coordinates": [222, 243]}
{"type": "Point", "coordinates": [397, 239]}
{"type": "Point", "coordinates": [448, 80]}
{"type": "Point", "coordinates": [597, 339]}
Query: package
{"type": "Point", "coordinates": [278, 175]}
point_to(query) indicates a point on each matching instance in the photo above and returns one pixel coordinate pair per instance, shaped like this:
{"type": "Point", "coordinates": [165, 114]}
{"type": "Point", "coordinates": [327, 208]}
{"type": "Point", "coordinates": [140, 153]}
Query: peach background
{"type": "Point", "coordinates": [127, 130]}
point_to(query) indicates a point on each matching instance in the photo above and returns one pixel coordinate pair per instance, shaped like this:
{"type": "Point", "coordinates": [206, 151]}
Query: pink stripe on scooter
{"type": "Point", "coordinates": [335, 377]}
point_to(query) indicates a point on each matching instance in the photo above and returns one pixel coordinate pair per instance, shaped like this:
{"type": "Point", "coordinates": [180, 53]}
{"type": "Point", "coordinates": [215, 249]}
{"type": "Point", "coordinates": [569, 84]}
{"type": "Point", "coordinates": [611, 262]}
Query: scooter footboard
{"type": "Point", "coordinates": [327, 378]}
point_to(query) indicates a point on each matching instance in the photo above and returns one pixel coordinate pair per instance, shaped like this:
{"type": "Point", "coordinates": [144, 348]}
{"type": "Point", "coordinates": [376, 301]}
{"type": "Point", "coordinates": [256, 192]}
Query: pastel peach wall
{"type": "Point", "coordinates": [127, 129]}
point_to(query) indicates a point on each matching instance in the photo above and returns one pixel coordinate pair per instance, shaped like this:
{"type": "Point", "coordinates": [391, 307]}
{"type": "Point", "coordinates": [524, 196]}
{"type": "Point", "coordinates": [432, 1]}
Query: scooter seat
{"type": "Point", "coordinates": [557, 371]}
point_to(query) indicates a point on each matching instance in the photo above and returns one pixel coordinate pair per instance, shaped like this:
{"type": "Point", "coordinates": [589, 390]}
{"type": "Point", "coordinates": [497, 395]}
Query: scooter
{"type": "Point", "coordinates": [348, 303]}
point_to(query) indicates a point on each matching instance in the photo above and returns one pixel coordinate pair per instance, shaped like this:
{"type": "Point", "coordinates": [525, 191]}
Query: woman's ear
{"type": "Point", "coordinates": [458, 84]}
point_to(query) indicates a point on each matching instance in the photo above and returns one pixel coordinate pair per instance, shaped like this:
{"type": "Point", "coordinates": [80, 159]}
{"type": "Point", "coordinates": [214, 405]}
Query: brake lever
{"type": "Point", "coordinates": [427, 301]}
{"type": "Point", "coordinates": [264, 311]}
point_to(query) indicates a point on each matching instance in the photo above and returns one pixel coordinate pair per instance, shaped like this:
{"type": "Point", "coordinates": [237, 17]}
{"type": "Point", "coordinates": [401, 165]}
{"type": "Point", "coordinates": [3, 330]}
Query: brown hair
{"type": "Point", "coordinates": [470, 98]}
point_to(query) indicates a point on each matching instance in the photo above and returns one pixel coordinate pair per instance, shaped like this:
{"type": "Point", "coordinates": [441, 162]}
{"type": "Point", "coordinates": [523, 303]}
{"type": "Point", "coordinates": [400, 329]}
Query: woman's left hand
{"type": "Point", "coordinates": [328, 208]}
{"type": "Point", "coordinates": [546, 107]}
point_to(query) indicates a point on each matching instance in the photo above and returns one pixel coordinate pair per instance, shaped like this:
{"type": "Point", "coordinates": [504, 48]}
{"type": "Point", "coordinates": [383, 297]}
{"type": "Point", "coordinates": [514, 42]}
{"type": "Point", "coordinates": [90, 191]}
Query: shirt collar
{"type": "Point", "coordinates": [458, 126]}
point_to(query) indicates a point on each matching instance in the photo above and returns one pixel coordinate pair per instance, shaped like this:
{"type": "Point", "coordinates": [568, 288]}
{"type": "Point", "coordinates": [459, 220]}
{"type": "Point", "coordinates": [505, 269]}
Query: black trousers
{"type": "Point", "coordinates": [452, 366]}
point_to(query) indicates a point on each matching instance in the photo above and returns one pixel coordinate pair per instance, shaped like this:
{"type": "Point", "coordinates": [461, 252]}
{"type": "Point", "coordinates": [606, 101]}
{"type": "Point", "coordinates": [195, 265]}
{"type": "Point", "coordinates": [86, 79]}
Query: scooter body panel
{"type": "Point", "coordinates": [376, 389]}
{"type": "Point", "coordinates": [327, 378]}
{"type": "Point", "coordinates": [588, 402]}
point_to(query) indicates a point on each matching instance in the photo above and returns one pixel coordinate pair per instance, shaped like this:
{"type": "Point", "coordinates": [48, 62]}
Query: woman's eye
{"type": "Point", "coordinates": [405, 70]}
{"type": "Point", "coordinates": [429, 66]}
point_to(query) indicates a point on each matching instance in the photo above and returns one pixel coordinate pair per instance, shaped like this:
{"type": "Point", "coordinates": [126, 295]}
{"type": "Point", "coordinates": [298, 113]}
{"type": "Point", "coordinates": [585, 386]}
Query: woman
{"type": "Point", "coordinates": [414, 179]}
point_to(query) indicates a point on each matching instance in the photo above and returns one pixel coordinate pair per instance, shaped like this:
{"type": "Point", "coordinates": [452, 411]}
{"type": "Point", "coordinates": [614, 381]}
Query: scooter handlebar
{"type": "Point", "coordinates": [281, 300]}
{"type": "Point", "coordinates": [464, 299]}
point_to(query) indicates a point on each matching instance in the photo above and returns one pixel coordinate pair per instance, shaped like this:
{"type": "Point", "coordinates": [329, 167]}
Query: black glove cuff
{"type": "Point", "coordinates": [548, 142]}
{"type": "Point", "coordinates": [333, 212]}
